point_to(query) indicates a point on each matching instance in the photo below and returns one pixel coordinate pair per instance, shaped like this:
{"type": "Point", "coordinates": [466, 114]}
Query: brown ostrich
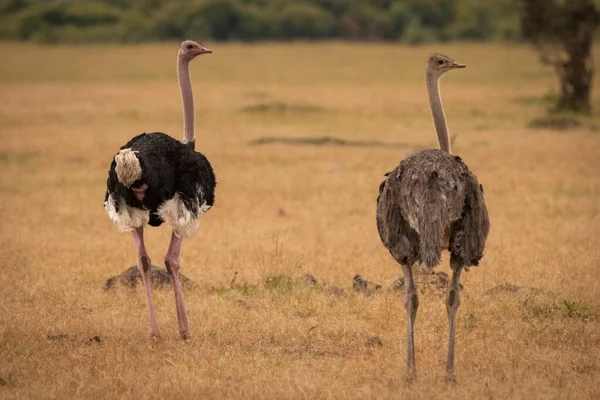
{"type": "Point", "coordinates": [431, 202]}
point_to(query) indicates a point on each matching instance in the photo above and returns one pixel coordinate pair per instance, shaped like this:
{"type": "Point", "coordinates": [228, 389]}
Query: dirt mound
{"type": "Point", "coordinates": [131, 277]}
{"type": "Point", "coordinates": [437, 283]}
{"type": "Point", "coordinates": [361, 285]}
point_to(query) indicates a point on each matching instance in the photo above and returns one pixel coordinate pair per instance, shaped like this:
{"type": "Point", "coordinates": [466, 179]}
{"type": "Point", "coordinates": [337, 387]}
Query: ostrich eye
{"type": "Point", "coordinates": [440, 62]}
{"type": "Point", "coordinates": [190, 46]}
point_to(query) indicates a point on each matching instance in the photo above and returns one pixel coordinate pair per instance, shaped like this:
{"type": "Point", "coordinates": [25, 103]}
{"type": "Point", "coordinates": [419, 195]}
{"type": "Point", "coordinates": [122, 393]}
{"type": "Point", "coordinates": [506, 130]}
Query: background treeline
{"type": "Point", "coordinates": [410, 21]}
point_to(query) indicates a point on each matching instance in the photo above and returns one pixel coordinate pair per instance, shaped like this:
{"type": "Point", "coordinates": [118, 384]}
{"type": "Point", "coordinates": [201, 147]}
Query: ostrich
{"type": "Point", "coordinates": [154, 179]}
{"type": "Point", "coordinates": [432, 201]}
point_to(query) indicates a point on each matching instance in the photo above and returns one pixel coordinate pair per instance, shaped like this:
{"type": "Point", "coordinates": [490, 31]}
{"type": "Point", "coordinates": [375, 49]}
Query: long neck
{"type": "Point", "coordinates": [187, 98]}
{"type": "Point", "coordinates": [439, 119]}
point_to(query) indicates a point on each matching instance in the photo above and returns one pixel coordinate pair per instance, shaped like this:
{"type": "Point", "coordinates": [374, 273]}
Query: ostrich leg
{"type": "Point", "coordinates": [173, 266]}
{"type": "Point", "coordinates": [452, 303]}
{"type": "Point", "coordinates": [144, 265]}
{"type": "Point", "coordinates": [411, 303]}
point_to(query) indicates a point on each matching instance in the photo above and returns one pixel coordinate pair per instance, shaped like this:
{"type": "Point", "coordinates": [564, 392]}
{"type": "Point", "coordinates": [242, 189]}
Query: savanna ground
{"type": "Point", "coordinates": [286, 210]}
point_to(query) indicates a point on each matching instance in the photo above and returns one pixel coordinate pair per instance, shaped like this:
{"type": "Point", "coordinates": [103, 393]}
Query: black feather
{"type": "Point", "coordinates": [168, 167]}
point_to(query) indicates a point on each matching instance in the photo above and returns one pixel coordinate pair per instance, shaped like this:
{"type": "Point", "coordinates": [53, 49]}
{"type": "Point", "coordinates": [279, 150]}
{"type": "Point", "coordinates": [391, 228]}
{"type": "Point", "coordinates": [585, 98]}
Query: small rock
{"type": "Point", "coordinates": [281, 213]}
{"type": "Point", "coordinates": [131, 277]}
{"type": "Point", "coordinates": [308, 280]}
{"type": "Point", "coordinates": [95, 339]}
{"type": "Point", "coordinates": [2, 382]}
{"type": "Point", "coordinates": [361, 285]}
{"type": "Point", "coordinates": [374, 341]}
{"type": "Point", "coordinates": [398, 284]}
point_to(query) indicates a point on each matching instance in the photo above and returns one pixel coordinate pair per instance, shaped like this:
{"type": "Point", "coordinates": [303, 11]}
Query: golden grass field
{"type": "Point", "coordinates": [284, 211]}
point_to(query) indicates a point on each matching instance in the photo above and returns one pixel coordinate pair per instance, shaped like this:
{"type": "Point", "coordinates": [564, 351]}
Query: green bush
{"type": "Point", "coordinates": [223, 18]}
{"type": "Point", "coordinates": [432, 14]}
{"type": "Point", "coordinates": [66, 17]}
{"type": "Point", "coordinates": [415, 34]}
{"type": "Point", "coordinates": [477, 20]}
{"type": "Point", "coordinates": [412, 21]}
{"type": "Point", "coordinates": [73, 34]}
{"type": "Point", "coordinates": [135, 28]}
{"type": "Point", "coordinates": [8, 29]}
{"type": "Point", "coordinates": [304, 20]}
{"type": "Point", "coordinates": [171, 21]}
{"type": "Point", "coordinates": [256, 23]}
{"type": "Point", "coordinates": [363, 21]}
{"type": "Point", "coordinates": [400, 18]}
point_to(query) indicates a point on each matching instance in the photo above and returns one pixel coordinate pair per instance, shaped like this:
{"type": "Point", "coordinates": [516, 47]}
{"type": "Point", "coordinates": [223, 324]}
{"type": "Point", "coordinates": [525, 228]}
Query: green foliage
{"type": "Point", "coordinates": [563, 33]}
{"type": "Point", "coordinates": [304, 20]}
{"type": "Point", "coordinates": [12, 6]}
{"type": "Point", "coordinates": [415, 33]}
{"type": "Point", "coordinates": [222, 16]}
{"type": "Point", "coordinates": [178, 20]}
{"type": "Point", "coordinates": [433, 14]}
{"type": "Point", "coordinates": [469, 321]}
{"type": "Point", "coordinates": [279, 282]}
{"type": "Point", "coordinates": [548, 307]}
{"type": "Point", "coordinates": [477, 20]}
{"type": "Point", "coordinates": [256, 23]}
{"type": "Point", "coordinates": [364, 21]}
{"type": "Point", "coordinates": [412, 21]}
{"type": "Point", "coordinates": [67, 21]}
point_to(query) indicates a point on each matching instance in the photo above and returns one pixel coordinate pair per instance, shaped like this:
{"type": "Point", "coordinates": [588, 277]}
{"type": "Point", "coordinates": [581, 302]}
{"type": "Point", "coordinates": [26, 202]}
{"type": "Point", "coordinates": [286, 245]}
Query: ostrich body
{"type": "Point", "coordinates": [154, 178]}
{"type": "Point", "coordinates": [431, 202]}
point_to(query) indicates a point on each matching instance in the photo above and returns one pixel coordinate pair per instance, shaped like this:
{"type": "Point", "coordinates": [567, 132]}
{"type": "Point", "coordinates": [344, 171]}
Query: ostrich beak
{"type": "Point", "coordinates": [202, 50]}
{"type": "Point", "coordinates": [457, 65]}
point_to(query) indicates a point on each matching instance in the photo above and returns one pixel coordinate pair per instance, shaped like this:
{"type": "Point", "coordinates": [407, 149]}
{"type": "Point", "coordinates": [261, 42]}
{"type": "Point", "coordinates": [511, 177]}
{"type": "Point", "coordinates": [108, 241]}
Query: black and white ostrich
{"type": "Point", "coordinates": [154, 179]}
{"type": "Point", "coordinates": [431, 202]}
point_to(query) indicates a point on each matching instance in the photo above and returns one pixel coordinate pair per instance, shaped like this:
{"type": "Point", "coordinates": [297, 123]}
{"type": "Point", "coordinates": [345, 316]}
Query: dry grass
{"type": "Point", "coordinates": [65, 111]}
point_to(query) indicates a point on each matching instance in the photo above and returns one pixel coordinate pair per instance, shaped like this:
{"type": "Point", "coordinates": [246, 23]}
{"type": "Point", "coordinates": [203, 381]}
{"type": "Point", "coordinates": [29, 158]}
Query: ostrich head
{"type": "Point", "coordinates": [439, 64]}
{"type": "Point", "coordinates": [190, 49]}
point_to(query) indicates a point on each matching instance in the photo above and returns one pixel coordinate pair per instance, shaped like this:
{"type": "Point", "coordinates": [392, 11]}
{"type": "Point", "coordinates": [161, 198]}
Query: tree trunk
{"type": "Point", "coordinates": [576, 76]}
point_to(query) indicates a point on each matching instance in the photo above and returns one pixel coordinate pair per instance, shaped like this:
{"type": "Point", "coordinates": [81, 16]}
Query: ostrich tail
{"type": "Point", "coordinates": [128, 167]}
{"type": "Point", "coordinates": [432, 225]}
{"type": "Point", "coordinates": [431, 243]}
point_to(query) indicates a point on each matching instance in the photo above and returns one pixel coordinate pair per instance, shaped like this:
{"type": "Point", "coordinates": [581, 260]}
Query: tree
{"type": "Point", "coordinates": [562, 32]}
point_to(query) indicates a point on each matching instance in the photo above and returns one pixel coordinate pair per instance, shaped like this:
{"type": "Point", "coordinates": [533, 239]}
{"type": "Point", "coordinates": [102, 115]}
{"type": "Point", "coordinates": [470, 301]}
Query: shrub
{"type": "Point", "coordinates": [362, 21]}
{"type": "Point", "coordinates": [45, 18]}
{"type": "Point", "coordinates": [223, 18]}
{"type": "Point", "coordinates": [170, 22]}
{"type": "Point", "coordinates": [303, 20]}
{"type": "Point", "coordinates": [415, 34]}
{"type": "Point", "coordinates": [256, 23]}
{"type": "Point", "coordinates": [413, 21]}
{"type": "Point", "coordinates": [432, 14]}
{"type": "Point", "coordinates": [477, 20]}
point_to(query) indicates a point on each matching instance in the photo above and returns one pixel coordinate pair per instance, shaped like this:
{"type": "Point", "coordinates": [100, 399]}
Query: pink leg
{"type": "Point", "coordinates": [144, 265]}
{"type": "Point", "coordinates": [173, 266]}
